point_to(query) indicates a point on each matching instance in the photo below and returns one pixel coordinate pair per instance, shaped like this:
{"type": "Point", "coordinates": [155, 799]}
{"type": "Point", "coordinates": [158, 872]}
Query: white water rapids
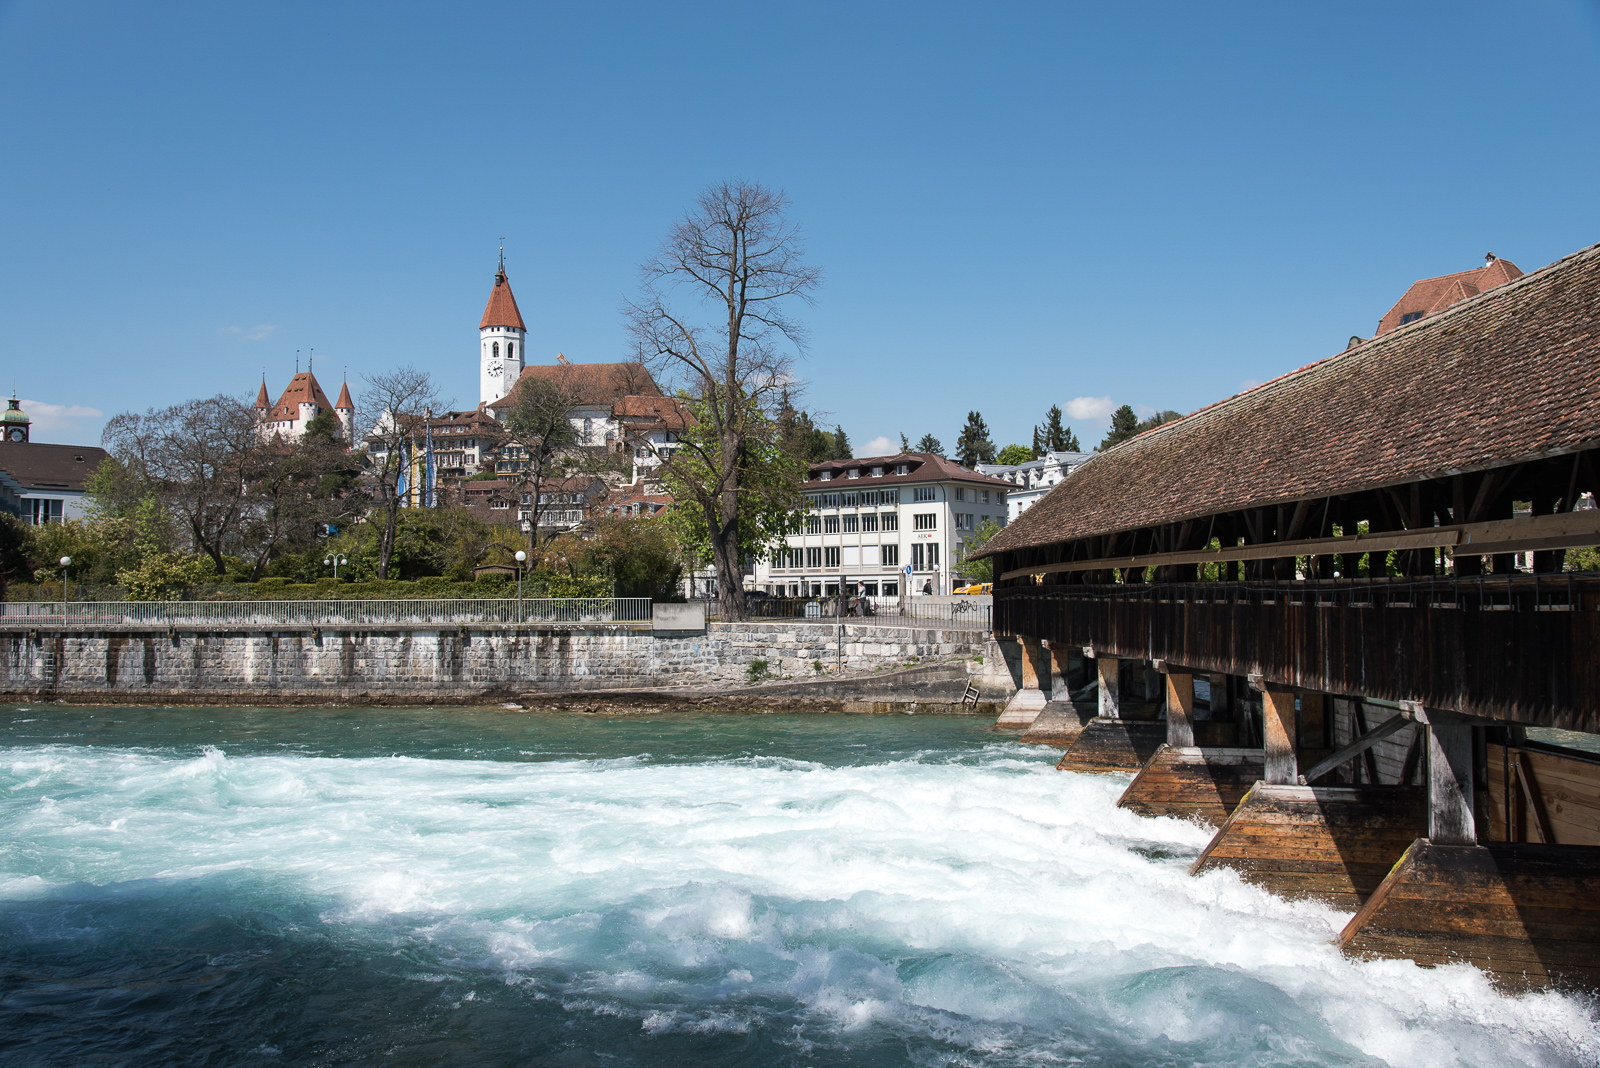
{"type": "Point", "coordinates": [968, 906]}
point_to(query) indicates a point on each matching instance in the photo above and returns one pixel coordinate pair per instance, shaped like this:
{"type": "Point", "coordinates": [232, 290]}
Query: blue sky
{"type": "Point", "coordinates": [1015, 204]}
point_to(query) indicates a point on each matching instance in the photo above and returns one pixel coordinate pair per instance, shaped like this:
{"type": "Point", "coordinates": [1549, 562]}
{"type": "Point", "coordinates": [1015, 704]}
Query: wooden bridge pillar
{"type": "Point", "coordinates": [1108, 669]}
{"type": "Point", "coordinates": [1450, 793]}
{"type": "Point", "coordinates": [1180, 706]}
{"type": "Point", "coordinates": [1219, 696]}
{"type": "Point", "coordinates": [1060, 723]}
{"type": "Point", "coordinates": [1108, 742]}
{"type": "Point", "coordinates": [1060, 668]}
{"type": "Point", "coordinates": [1278, 733]}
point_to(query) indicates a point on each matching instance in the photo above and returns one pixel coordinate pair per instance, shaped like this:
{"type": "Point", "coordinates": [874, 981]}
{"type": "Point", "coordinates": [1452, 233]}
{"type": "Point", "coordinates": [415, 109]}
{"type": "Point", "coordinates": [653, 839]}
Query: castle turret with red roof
{"type": "Point", "coordinates": [346, 412]}
{"type": "Point", "coordinates": [301, 402]}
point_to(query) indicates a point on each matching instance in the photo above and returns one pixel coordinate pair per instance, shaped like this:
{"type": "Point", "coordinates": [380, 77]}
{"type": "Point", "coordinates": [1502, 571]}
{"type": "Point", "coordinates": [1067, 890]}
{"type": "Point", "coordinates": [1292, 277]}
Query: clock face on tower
{"type": "Point", "coordinates": [16, 433]}
{"type": "Point", "coordinates": [494, 367]}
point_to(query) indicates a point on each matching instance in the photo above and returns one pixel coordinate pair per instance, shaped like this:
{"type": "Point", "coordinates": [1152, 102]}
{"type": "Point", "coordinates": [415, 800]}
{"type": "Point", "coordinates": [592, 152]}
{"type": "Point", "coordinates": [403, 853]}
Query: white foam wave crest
{"type": "Point", "coordinates": [990, 901]}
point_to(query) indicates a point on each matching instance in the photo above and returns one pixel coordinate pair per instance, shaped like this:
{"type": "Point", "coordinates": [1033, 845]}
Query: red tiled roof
{"type": "Point", "coordinates": [596, 384]}
{"type": "Point", "coordinates": [1432, 295]}
{"type": "Point", "coordinates": [502, 307]}
{"type": "Point", "coordinates": [302, 387]}
{"type": "Point", "coordinates": [926, 467]}
{"type": "Point", "coordinates": [343, 403]}
{"type": "Point", "coordinates": [657, 409]}
{"type": "Point", "coordinates": [1509, 375]}
{"type": "Point", "coordinates": [262, 400]}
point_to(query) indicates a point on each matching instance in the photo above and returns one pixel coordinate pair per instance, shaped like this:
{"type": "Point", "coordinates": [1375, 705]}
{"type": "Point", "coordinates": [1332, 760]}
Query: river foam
{"type": "Point", "coordinates": [965, 905]}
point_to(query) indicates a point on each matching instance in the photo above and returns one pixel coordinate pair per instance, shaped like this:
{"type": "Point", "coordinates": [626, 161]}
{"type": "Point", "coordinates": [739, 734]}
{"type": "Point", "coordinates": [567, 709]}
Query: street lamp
{"type": "Point", "coordinates": [66, 562]}
{"type": "Point", "coordinates": [521, 556]}
{"type": "Point", "coordinates": [336, 559]}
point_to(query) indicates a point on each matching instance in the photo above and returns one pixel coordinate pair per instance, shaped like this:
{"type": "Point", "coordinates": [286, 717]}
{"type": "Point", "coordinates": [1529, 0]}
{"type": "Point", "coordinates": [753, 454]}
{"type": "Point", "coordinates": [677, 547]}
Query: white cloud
{"type": "Point", "coordinates": [49, 418]}
{"type": "Point", "coordinates": [1088, 408]}
{"type": "Point", "coordinates": [255, 333]}
{"type": "Point", "coordinates": [1143, 411]}
{"type": "Point", "coordinates": [881, 446]}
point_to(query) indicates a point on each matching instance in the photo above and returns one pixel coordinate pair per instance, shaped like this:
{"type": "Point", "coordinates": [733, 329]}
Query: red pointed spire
{"type": "Point", "coordinates": [343, 403]}
{"type": "Point", "coordinates": [502, 307]}
{"type": "Point", "coordinates": [262, 400]}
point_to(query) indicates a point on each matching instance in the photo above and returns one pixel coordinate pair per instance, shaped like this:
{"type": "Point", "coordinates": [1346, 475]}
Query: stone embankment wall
{"type": "Point", "coordinates": [443, 665]}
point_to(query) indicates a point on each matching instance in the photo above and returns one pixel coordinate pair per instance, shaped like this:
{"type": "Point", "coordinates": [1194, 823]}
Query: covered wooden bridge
{"type": "Point", "coordinates": [1332, 617]}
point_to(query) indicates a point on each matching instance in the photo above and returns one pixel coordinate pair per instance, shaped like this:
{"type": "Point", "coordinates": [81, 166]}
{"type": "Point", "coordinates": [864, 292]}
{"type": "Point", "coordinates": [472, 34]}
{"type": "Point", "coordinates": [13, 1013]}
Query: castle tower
{"type": "Point", "coordinates": [346, 413]}
{"type": "Point", "coordinates": [501, 336]}
{"type": "Point", "coordinates": [15, 422]}
{"type": "Point", "coordinates": [263, 402]}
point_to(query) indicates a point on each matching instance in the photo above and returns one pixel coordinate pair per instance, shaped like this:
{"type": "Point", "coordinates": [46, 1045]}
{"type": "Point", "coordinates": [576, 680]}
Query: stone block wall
{"type": "Point", "coordinates": [442, 664]}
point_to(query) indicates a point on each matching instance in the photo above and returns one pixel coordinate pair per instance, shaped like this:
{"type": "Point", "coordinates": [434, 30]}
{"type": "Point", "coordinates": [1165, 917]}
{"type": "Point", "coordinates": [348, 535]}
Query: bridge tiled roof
{"type": "Point", "coordinates": [1509, 375]}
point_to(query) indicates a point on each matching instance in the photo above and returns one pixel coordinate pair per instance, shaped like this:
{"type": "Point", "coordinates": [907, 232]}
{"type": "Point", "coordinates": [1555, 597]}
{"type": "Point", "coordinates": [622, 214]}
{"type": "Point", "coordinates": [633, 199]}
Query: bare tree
{"type": "Point", "coordinates": [737, 252]}
{"type": "Point", "coordinates": [196, 459]}
{"type": "Point", "coordinates": [392, 419]}
{"type": "Point", "coordinates": [540, 425]}
{"type": "Point", "coordinates": [298, 488]}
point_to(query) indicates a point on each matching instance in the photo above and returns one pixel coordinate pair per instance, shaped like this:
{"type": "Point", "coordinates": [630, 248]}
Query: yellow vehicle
{"type": "Point", "coordinates": [977, 588]}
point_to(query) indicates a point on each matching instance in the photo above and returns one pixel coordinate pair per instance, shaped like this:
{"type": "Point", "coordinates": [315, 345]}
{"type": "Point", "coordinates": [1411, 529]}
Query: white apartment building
{"type": "Point", "coordinates": [886, 524]}
{"type": "Point", "coordinates": [1032, 480]}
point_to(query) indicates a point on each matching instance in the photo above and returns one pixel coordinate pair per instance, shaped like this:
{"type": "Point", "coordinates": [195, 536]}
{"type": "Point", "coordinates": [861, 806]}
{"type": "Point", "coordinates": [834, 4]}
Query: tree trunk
{"type": "Point", "coordinates": [391, 520]}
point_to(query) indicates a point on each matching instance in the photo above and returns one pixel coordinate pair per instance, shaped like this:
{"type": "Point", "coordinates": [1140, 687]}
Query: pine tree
{"type": "Point", "coordinates": [1055, 435]}
{"type": "Point", "coordinates": [1072, 444]}
{"type": "Point", "coordinates": [905, 444]}
{"type": "Point", "coordinates": [1038, 444]}
{"type": "Point", "coordinates": [929, 443]}
{"type": "Point", "coordinates": [1124, 425]}
{"type": "Point", "coordinates": [973, 447]}
{"type": "Point", "coordinates": [841, 444]}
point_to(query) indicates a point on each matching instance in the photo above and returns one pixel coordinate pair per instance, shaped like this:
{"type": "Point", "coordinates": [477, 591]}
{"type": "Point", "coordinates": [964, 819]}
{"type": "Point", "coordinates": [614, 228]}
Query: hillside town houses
{"type": "Point", "coordinates": [884, 526]}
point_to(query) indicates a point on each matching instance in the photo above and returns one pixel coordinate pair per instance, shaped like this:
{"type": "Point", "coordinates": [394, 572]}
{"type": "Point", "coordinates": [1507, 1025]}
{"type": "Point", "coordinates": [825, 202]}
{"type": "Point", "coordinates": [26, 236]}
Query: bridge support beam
{"type": "Point", "coordinates": [1108, 669]}
{"type": "Point", "coordinates": [1026, 704]}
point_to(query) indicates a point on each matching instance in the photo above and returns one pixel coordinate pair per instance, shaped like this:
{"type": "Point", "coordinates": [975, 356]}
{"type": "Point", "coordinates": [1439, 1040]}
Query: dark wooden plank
{"type": "Point", "coordinates": [1497, 906]}
{"type": "Point", "coordinates": [1192, 783]}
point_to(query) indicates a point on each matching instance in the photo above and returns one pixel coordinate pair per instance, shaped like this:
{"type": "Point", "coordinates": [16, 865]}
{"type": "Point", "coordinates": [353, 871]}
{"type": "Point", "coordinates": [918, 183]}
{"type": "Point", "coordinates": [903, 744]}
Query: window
{"type": "Point", "coordinates": [961, 493]}
{"type": "Point", "coordinates": [890, 554]}
{"type": "Point", "coordinates": [826, 476]}
{"type": "Point", "coordinates": [924, 493]}
{"type": "Point", "coordinates": [45, 511]}
{"type": "Point", "coordinates": [511, 349]}
{"type": "Point", "coordinates": [830, 525]}
{"type": "Point", "coordinates": [877, 472]}
{"type": "Point", "coordinates": [830, 556]}
{"type": "Point", "coordinates": [852, 524]}
{"type": "Point", "coordinates": [925, 521]}
{"type": "Point", "coordinates": [869, 522]}
{"type": "Point", "coordinates": [983, 496]}
{"type": "Point", "coordinates": [796, 557]}
{"type": "Point", "coordinates": [891, 589]}
{"type": "Point", "coordinates": [901, 469]}
{"type": "Point", "coordinates": [851, 500]}
{"type": "Point", "coordinates": [924, 556]}
{"type": "Point", "coordinates": [963, 520]}
{"type": "Point", "coordinates": [496, 350]}
{"type": "Point", "coordinates": [813, 557]}
{"type": "Point", "coordinates": [1410, 317]}
{"type": "Point", "coordinates": [830, 500]}
{"type": "Point", "coordinates": [854, 472]}
{"type": "Point", "coordinates": [500, 504]}
{"type": "Point", "coordinates": [890, 521]}
{"type": "Point", "coordinates": [813, 524]}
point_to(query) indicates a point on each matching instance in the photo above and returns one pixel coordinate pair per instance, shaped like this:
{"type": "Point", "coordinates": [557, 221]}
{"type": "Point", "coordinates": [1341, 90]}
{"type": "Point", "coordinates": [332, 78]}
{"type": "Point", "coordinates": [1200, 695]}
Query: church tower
{"type": "Point", "coordinates": [15, 422]}
{"type": "Point", "coordinates": [501, 336]}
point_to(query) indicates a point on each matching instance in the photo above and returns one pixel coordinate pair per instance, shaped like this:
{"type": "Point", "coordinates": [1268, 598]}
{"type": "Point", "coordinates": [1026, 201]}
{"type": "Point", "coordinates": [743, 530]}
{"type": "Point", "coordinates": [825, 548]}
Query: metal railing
{"type": "Point", "coordinates": [888, 611]}
{"type": "Point", "coordinates": [570, 611]}
{"type": "Point", "coordinates": [1559, 592]}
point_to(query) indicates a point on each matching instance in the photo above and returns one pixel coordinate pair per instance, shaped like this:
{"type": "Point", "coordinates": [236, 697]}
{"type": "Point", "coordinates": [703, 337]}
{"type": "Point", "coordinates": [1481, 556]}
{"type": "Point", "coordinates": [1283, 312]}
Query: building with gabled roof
{"type": "Point", "coordinates": [1429, 296]}
{"type": "Point", "coordinates": [883, 525]}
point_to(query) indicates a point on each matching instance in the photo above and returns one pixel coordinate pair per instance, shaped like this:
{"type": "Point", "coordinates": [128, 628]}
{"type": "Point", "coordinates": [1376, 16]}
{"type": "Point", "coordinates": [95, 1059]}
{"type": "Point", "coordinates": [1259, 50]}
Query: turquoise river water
{"type": "Point", "coordinates": [448, 887]}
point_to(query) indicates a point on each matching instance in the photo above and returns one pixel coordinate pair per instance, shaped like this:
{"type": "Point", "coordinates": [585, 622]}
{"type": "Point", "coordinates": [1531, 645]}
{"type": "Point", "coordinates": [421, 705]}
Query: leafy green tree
{"type": "Point", "coordinates": [771, 505]}
{"type": "Point", "coordinates": [1014, 454]}
{"type": "Point", "coordinates": [638, 555]}
{"type": "Point", "coordinates": [929, 443]}
{"type": "Point", "coordinates": [14, 552]}
{"type": "Point", "coordinates": [164, 576]}
{"type": "Point", "coordinates": [977, 570]}
{"type": "Point", "coordinates": [973, 447]}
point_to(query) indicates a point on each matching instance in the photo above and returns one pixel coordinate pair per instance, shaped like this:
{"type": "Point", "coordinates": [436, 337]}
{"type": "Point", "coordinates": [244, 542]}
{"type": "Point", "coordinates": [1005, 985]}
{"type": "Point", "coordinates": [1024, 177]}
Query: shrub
{"type": "Point", "coordinates": [756, 671]}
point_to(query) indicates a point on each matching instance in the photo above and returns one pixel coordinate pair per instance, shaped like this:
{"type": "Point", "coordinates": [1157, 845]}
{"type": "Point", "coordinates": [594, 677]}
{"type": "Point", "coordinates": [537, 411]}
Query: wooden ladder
{"type": "Point", "coordinates": [970, 697]}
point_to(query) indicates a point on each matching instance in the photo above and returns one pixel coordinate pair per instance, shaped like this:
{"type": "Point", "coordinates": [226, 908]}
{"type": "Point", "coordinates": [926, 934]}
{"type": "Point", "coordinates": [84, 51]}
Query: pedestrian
{"type": "Point", "coordinates": [927, 588]}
